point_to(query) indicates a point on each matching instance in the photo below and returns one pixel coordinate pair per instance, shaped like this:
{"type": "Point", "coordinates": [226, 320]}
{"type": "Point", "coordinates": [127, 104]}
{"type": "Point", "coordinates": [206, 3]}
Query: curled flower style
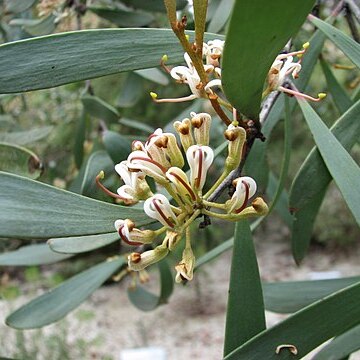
{"type": "Point", "coordinates": [282, 67]}
{"type": "Point", "coordinates": [160, 159]}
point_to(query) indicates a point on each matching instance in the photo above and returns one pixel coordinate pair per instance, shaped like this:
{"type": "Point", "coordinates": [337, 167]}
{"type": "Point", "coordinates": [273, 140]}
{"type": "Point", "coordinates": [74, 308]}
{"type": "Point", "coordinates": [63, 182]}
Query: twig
{"type": "Point", "coordinates": [354, 8]}
{"type": "Point", "coordinates": [350, 20]}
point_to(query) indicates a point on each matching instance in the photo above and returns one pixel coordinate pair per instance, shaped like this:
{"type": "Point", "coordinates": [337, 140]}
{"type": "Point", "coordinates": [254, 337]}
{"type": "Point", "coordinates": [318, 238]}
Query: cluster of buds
{"type": "Point", "coordinates": [161, 158]}
{"type": "Point", "coordinates": [212, 52]}
{"type": "Point", "coordinates": [283, 66]}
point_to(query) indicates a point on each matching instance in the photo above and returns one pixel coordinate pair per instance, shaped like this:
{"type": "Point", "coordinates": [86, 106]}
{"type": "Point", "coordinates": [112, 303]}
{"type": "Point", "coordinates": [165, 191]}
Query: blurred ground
{"type": "Point", "coordinates": [191, 326]}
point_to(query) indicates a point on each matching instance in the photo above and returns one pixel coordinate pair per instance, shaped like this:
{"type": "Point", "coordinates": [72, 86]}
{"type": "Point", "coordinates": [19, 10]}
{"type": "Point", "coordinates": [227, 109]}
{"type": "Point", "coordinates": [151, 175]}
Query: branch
{"type": "Point", "coordinates": [352, 26]}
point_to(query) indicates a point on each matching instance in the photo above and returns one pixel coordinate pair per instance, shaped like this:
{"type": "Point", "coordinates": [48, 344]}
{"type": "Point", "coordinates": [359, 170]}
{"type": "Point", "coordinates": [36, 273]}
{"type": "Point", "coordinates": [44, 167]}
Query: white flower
{"type": "Point", "coordinates": [213, 50]}
{"type": "Point", "coordinates": [131, 181]}
{"type": "Point", "coordinates": [245, 189]}
{"type": "Point", "coordinates": [131, 235]}
{"type": "Point", "coordinates": [200, 159]}
{"type": "Point", "coordinates": [158, 207]}
{"type": "Point", "coordinates": [181, 184]}
{"type": "Point", "coordinates": [138, 160]}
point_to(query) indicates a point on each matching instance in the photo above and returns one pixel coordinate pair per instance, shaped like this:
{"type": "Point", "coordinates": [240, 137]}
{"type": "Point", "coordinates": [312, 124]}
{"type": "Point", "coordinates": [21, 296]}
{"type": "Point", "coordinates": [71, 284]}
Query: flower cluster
{"type": "Point", "coordinates": [212, 51]}
{"type": "Point", "coordinates": [161, 159]}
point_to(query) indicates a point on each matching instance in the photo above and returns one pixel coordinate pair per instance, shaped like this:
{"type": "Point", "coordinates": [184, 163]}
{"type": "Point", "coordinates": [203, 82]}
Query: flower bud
{"type": "Point", "coordinates": [138, 262]}
{"type": "Point", "coordinates": [131, 235]}
{"type": "Point", "coordinates": [201, 124]}
{"type": "Point", "coordinates": [236, 136]}
{"type": "Point", "coordinates": [183, 128]}
{"type": "Point", "coordinates": [185, 269]}
{"type": "Point", "coordinates": [181, 184]}
{"type": "Point", "coordinates": [245, 189]}
{"type": "Point", "coordinates": [172, 239]}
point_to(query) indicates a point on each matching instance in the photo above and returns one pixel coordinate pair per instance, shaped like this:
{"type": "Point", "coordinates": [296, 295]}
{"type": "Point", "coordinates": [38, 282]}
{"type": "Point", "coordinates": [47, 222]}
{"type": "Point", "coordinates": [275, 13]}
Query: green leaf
{"type": "Point", "coordinates": [30, 255]}
{"type": "Point", "coordinates": [340, 97]}
{"type": "Point", "coordinates": [98, 161]}
{"type": "Point", "coordinates": [306, 329]}
{"type": "Point", "coordinates": [154, 5]}
{"type": "Point", "coordinates": [100, 109]}
{"type": "Point", "coordinates": [288, 297]}
{"type": "Point", "coordinates": [20, 161]}
{"type": "Point", "coordinates": [147, 301]}
{"type": "Point", "coordinates": [310, 183]}
{"type": "Point", "coordinates": [345, 43]}
{"type": "Point", "coordinates": [257, 32]}
{"type": "Point", "coordinates": [132, 90]}
{"type": "Point", "coordinates": [121, 17]}
{"type": "Point", "coordinates": [245, 316]}
{"type": "Point", "coordinates": [27, 136]}
{"type": "Point", "coordinates": [302, 227]}
{"type": "Point", "coordinates": [80, 135]}
{"type": "Point", "coordinates": [43, 211]}
{"type": "Point", "coordinates": [200, 9]}
{"type": "Point", "coordinates": [154, 75]}
{"type": "Point", "coordinates": [286, 157]}
{"type": "Point", "coordinates": [138, 125]}
{"type": "Point", "coordinates": [17, 6]}
{"type": "Point", "coordinates": [80, 244]}
{"type": "Point", "coordinates": [58, 59]}
{"type": "Point", "coordinates": [341, 347]}
{"type": "Point", "coordinates": [282, 205]}
{"type": "Point", "coordinates": [36, 27]}
{"type": "Point", "coordinates": [222, 15]}
{"type": "Point", "coordinates": [340, 164]}
{"type": "Point", "coordinates": [117, 146]}
{"type": "Point", "coordinates": [55, 304]}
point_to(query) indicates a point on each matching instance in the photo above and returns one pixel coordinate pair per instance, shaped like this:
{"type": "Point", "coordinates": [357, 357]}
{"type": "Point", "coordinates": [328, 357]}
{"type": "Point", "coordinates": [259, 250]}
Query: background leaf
{"type": "Point", "coordinates": [20, 161]}
{"type": "Point", "coordinates": [58, 59]}
{"type": "Point", "coordinates": [340, 164]}
{"type": "Point", "coordinates": [27, 136]}
{"type": "Point", "coordinates": [80, 244]}
{"type": "Point", "coordinates": [291, 296]}
{"type": "Point", "coordinates": [257, 32]}
{"type": "Point", "coordinates": [306, 329]}
{"type": "Point", "coordinates": [43, 211]}
{"type": "Point", "coordinates": [117, 146]}
{"type": "Point", "coordinates": [245, 316]}
{"type": "Point", "coordinates": [100, 109]}
{"type": "Point", "coordinates": [30, 255]}
{"type": "Point", "coordinates": [345, 43]}
{"type": "Point", "coordinates": [147, 301]}
{"type": "Point", "coordinates": [55, 304]}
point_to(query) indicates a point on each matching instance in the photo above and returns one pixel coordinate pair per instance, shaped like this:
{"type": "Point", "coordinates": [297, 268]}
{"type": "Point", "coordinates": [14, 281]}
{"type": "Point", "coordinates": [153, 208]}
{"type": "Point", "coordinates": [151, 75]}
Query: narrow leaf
{"type": "Point", "coordinates": [147, 301]}
{"type": "Point", "coordinates": [154, 75]}
{"type": "Point", "coordinates": [345, 43]}
{"type": "Point", "coordinates": [17, 6]}
{"type": "Point", "coordinates": [257, 32]}
{"type": "Point", "coordinates": [132, 90]}
{"type": "Point", "coordinates": [43, 211]}
{"type": "Point", "coordinates": [245, 316]}
{"type": "Point", "coordinates": [121, 17]}
{"type": "Point", "coordinates": [20, 161]}
{"type": "Point", "coordinates": [80, 244]}
{"type": "Point", "coordinates": [200, 8]}
{"type": "Point", "coordinates": [340, 164]}
{"type": "Point", "coordinates": [154, 5]}
{"type": "Point", "coordinates": [58, 59]}
{"type": "Point", "coordinates": [117, 146]}
{"type": "Point", "coordinates": [341, 98]}
{"type": "Point", "coordinates": [341, 347]}
{"type": "Point", "coordinates": [100, 109]}
{"type": "Point", "coordinates": [55, 304]}
{"type": "Point", "coordinates": [27, 136]}
{"type": "Point", "coordinates": [222, 15]}
{"type": "Point", "coordinates": [291, 296]}
{"type": "Point", "coordinates": [30, 255]}
{"type": "Point", "coordinates": [306, 329]}
{"type": "Point", "coordinates": [138, 125]}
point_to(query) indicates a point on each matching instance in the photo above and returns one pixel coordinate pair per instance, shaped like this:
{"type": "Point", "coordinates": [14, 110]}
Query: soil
{"type": "Point", "coordinates": [191, 325]}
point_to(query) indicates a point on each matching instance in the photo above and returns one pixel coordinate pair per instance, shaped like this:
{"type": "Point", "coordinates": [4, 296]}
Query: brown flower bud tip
{"type": "Point", "coordinates": [197, 122]}
{"type": "Point", "coordinates": [235, 182]}
{"type": "Point", "coordinates": [230, 135]}
{"type": "Point", "coordinates": [259, 206]}
{"type": "Point", "coordinates": [215, 56]}
{"type": "Point", "coordinates": [200, 86]}
{"type": "Point", "coordinates": [130, 224]}
{"type": "Point", "coordinates": [135, 257]}
{"type": "Point", "coordinates": [274, 71]}
{"type": "Point", "coordinates": [184, 129]}
{"type": "Point", "coordinates": [162, 142]}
